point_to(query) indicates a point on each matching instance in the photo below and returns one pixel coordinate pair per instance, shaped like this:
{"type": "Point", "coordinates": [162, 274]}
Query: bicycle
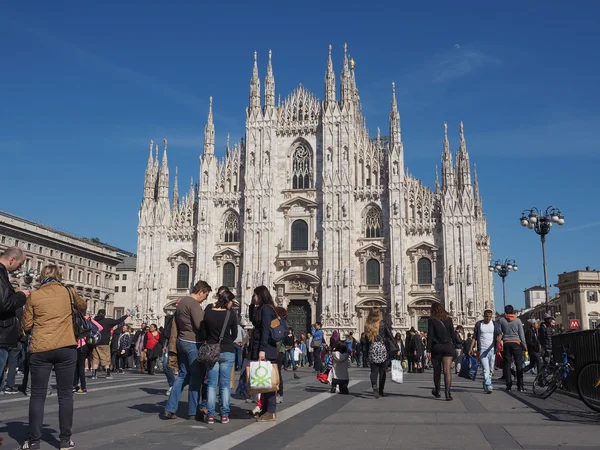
{"type": "Point", "coordinates": [551, 377]}
{"type": "Point", "coordinates": [588, 383]}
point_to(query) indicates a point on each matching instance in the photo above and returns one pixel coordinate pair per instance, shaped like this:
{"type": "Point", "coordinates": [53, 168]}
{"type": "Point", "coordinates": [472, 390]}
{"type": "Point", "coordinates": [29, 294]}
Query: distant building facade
{"type": "Point", "coordinates": [534, 296]}
{"type": "Point", "coordinates": [579, 296]}
{"type": "Point", "coordinates": [87, 265]}
{"type": "Point", "coordinates": [125, 285]}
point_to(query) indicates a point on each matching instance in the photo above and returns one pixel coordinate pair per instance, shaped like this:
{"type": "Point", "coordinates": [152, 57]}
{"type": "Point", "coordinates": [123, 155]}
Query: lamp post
{"type": "Point", "coordinates": [541, 223]}
{"type": "Point", "coordinates": [502, 269]}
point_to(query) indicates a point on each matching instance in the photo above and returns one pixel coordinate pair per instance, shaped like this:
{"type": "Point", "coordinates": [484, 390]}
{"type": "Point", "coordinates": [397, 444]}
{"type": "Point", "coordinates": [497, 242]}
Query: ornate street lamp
{"type": "Point", "coordinates": [502, 269]}
{"type": "Point", "coordinates": [541, 223]}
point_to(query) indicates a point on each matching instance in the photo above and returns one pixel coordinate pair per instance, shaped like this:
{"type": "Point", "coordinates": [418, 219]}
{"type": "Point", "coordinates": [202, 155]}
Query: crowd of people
{"type": "Point", "coordinates": [203, 348]}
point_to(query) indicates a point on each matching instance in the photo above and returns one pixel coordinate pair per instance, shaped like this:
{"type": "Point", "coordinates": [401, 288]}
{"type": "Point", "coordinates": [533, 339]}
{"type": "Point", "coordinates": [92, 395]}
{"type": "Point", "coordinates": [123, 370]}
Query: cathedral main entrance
{"type": "Point", "coordinates": [299, 315]}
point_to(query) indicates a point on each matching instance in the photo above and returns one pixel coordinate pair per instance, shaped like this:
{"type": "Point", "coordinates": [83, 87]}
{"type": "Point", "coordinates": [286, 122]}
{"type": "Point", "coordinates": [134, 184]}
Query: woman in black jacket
{"type": "Point", "coordinates": [262, 313]}
{"type": "Point", "coordinates": [382, 346]}
{"type": "Point", "coordinates": [440, 346]}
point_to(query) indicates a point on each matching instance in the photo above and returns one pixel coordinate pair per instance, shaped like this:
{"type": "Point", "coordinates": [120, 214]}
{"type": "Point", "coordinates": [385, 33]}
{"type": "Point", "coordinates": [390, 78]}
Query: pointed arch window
{"type": "Point", "coordinates": [231, 227]}
{"type": "Point", "coordinates": [373, 273]}
{"type": "Point", "coordinates": [299, 236]}
{"type": "Point", "coordinates": [229, 275]}
{"type": "Point", "coordinates": [301, 167]}
{"type": "Point", "coordinates": [183, 276]}
{"type": "Point", "coordinates": [424, 271]}
{"type": "Point", "coordinates": [373, 222]}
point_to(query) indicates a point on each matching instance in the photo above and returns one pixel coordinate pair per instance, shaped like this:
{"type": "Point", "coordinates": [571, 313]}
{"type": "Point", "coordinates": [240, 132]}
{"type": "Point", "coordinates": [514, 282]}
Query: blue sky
{"type": "Point", "coordinates": [85, 87]}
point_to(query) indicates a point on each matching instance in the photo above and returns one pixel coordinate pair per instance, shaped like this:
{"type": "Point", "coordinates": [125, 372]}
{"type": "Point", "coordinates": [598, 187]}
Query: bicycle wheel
{"type": "Point", "coordinates": [588, 385]}
{"type": "Point", "coordinates": [546, 381]}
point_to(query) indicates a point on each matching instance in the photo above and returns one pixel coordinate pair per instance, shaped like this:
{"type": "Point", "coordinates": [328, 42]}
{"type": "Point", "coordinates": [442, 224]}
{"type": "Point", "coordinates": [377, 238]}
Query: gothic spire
{"type": "Point", "coordinates": [163, 182]}
{"type": "Point", "coordinates": [255, 86]}
{"type": "Point", "coordinates": [478, 202]}
{"type": "Point", "coordinates": [463, 165]}
{"type": "Point", "coordinates": [227, 148]}
{"type": "Point", "coordinates": [209, 131]}
{"type": "Point", "coordinates": [447, 169]}
{"type": "Point", "coordinates": [269, 85]}
{"type": "Point", "coordinates": [149, 176]}
{"type": "Point", "coordinates": [176, 190]}
{"type": "Point", "coordinates": [329, 82]}
{"type": "Point", "coordinates": [345, 82]}
{"type": "Point", "coordinates": [395, 132]}
{"type": "Point", "coordinates": [437, 179]}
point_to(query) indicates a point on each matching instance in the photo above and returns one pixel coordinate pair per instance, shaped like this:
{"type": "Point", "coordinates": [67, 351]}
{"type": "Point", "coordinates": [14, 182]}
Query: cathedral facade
{"type": "Point", "coordinates": [325, 216]}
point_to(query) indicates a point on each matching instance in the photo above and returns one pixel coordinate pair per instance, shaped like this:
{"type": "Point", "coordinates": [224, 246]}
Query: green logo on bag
{"type": "Point", "coordinates": [260, 379]}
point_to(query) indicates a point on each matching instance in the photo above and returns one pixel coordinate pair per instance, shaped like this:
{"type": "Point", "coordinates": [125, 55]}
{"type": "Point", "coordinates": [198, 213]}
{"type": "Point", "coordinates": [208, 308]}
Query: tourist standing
{"type": "Point", "coordinates": [48, 315]}
{"type": "Point", "coordinates": [317, 345]}
{"type": "Point", "coordinates": [381, 346]}
{"type": "Point", "coordinates": [263, 347]}
{"type": "Point", "coordinates": [188, 317]}
{"type": "Point", "coordinates": [440, 348]}
{"type": "Point", "coordinates": [487, 335]}
{"type": "Point", "coordinates": [533, 346]}
{"type": "Point", "coordinates": [513, 344]}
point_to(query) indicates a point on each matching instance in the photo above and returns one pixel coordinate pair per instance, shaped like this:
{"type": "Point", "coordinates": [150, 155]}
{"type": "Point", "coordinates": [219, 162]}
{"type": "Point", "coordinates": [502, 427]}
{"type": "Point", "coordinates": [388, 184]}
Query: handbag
{"type": "Point", "coordinates": [209, 353]}
{"type": "Point", "coordinates": [263, 377]}
{"type": "Point", "coordinates": [81, 326]}
{"type": "Point", "coordinates": [157, 350]}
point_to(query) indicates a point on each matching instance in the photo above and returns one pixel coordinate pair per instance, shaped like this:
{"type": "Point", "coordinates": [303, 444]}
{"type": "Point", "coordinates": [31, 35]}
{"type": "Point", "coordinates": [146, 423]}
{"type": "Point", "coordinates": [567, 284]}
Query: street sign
{"type": "Point", "coordinates": [574, 324]}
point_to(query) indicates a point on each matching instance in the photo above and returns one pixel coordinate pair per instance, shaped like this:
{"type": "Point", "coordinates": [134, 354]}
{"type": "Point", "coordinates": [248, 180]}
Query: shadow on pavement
{"type": "Point", "coordinates": [19, 431]}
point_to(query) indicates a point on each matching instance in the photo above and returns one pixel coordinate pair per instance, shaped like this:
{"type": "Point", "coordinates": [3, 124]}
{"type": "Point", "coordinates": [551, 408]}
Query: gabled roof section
{"type": "Point", "coordinates": [300, 110]}
{"type": "Point", "coordinates": [230, 250]}
{"type": "Point", "coordinates": [372, 246]}
{"type": "Point", "coordinates": [431, 247]}
{"type": "Point", "coordinates": [299, 200]}
{"type": "Point", "coordinates": [181, 252]}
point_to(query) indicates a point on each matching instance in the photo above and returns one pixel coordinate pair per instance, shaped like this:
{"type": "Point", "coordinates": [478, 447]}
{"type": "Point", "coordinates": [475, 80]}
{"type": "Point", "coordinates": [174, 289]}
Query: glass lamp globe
{"type": "Point", "coordinates": [561, 220]}
{"type": "Point", "coordinates": [498, 267]}
{"type": "Point", "coordinates": [554, 218]}
{"type": "Point", "coordinates": [531, 225]}
{"type": "Point", "coordinates": [491, 268]}
{"type": "Point", "coordinates": [515, 267]}
{"type": "Point", "coordinates": [509, 267]}
{"type": "Point", "coordinates": [524, 221]}
{"type": "Point", "coordinates": [533, 218]}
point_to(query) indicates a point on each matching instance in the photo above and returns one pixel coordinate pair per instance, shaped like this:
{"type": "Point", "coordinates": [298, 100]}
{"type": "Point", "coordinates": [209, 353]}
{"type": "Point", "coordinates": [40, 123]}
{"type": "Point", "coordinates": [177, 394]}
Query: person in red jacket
{"type": "Point", "coordinates": [152, 348]}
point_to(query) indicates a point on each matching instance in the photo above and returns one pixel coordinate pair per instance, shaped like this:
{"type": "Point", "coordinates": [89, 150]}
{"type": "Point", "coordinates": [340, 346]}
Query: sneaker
{"type": "Point", "coordinates": [279, 398]}
{"type": "Point", "coordinates": [168, 392]}
{"type": "Point", "coordinates": [267, 417]}
{"type": "Point", "coordinates": [75, 389]}
{"type": "Point", "coordinates": [109, 377]}
{"type": "Point", "coordinates": [81, 391]}
{"type": "Point", "coordinates": [28, 446]}
{"type": "Point", "coordinates": [210, 420]}
{"type": "Point", "coordinates": [94, 377]}
{"type": "Point", "coordinates": [224, 419]}
{"type": "Point", "coordinates": [68, 445]}
{"type": "Point", "coordinates": [121, 371]}
{"type": "Point", "coordinates": [11, 390]}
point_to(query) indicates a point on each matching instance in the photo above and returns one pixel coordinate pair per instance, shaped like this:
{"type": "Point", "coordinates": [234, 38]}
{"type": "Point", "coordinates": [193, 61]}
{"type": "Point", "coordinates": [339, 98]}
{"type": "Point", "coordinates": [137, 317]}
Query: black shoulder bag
{"type": "Point", "coordinates": [81, 326]}
{"type": "Point", "coordinates": [209, 353]}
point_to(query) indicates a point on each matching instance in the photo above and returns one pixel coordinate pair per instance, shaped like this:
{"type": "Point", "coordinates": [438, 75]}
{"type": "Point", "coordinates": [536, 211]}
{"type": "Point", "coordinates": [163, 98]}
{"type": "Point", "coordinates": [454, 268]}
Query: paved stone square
{"type": "Point", "coordinates": [123, 414]}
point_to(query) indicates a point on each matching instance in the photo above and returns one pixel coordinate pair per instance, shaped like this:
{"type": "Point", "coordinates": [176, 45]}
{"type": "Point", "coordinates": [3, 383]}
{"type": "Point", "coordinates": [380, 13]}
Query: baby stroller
{"type": "Point", "coordinates": [323, 377]}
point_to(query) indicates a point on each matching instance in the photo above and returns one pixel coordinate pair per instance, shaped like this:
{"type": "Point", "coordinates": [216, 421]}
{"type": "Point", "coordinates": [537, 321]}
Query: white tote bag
{"type": "Point", "coordinates": [263, 376]}
{"type": "Point", "coordinates": [397, 372]}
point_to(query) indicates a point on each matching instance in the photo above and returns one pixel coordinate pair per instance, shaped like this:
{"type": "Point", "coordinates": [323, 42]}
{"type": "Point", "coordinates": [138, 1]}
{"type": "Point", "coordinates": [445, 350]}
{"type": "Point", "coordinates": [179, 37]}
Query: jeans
{"type": "Point", "coordinates": [3, 361]}
{"type": "Point", "coordinates": [168, 371]}
{"type": "Point", "coordinates": [79, 378]}
{"type": "Point", "coordinates": [378, 374]}
{"type": "Point", "coordinates": [190, 372]}
{"type": "Point", "coordinates": [487, 359]}
{"type": "Point", "coordinates": [12, 363]}
{"type": "Point", "coordinates": [280, 360]}
{"type": "Point", "coordinates": [317, 360]}
{"type": "Point", "coordinates": [512, 350]}
{"type": "Point", "coordinates": [289, 359]}
{"type": "Point", "coordinates": [220, 374]}
{"type": "Point", "coordinates": [64, 361]}
{"type": "Point", "coordinates": [238, 355]}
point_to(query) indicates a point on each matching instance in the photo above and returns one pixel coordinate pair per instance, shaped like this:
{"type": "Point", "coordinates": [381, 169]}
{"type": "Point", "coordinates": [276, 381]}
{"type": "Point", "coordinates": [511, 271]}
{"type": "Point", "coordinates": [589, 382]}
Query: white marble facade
{"type": "Point", "coordinates": [328, 218]}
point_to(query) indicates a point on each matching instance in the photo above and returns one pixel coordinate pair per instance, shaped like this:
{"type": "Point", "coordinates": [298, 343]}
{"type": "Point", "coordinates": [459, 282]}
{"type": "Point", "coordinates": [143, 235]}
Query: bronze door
{"type": "Point", "coordinates": [299, 317]}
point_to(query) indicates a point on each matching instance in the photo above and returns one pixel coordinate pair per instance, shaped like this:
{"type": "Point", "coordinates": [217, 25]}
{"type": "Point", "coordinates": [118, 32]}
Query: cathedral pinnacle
{"type": "Point", "coordinates": [150, 161]}
{"type": "Point", "coordinates": [176, 190]}
{"type": "Point", "coordinates": [227, 147]}
{"type": "Point", "coordinates": [447, 168]}
{"type": "Point", "coordinates": [270, 84]}
{"type": "Point", "coordinates": [255, 85]}
{"type": "Point", "coordinates": [209, 131]}
{"type": "Point", "coordinates": [164, 158]}
{"type": "Point", "coordinates": [346, 88]}
{"type": "Point", "coordinates": [329, 82]}
{"type": "Point", "coordinates": [395, 131]}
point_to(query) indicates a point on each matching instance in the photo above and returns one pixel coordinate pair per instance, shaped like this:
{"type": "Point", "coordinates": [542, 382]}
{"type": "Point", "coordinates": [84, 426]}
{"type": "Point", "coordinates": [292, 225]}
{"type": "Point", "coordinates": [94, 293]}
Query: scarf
{"type": "Point", "coordinates": [48, 280]}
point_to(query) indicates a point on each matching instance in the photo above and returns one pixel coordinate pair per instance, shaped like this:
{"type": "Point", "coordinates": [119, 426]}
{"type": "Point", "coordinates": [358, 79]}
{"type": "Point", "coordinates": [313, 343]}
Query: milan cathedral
{"type": "Point", "coordinates": [327, 217]}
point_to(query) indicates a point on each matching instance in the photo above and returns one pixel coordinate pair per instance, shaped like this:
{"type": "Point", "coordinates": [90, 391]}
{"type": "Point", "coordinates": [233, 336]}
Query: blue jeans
{"type": "Point", "coordinates": [238, 356]}
{"type": "Point", "coordinates": [190, 372]}
{"type": "Point", "coordinates": [3, 362]}
{"type": "Point", "coordinates": [220, 374]}
{"type": "Point", "coordinates": [487, 359]}
{"type": "Point", "coordinates": [167, 370]}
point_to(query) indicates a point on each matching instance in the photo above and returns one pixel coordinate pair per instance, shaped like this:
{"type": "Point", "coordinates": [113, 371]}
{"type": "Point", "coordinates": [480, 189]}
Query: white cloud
{"type": "Point", "coordinates": [458, 62]}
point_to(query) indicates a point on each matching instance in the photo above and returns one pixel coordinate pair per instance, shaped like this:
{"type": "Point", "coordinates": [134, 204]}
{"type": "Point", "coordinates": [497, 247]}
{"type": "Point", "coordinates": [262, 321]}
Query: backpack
{"type": "Point", "coordinates": [378, 352]}
{"type": "Point", "coordinates": [94, 336]}
{"type": "Point", "coordinates": [279, 328]}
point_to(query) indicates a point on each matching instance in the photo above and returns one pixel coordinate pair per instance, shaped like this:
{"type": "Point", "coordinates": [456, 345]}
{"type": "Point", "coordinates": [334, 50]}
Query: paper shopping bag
{"type": "Point", "coordinates": [263, 376]}
{"type": "Point", "coordinates": [397, 371]}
